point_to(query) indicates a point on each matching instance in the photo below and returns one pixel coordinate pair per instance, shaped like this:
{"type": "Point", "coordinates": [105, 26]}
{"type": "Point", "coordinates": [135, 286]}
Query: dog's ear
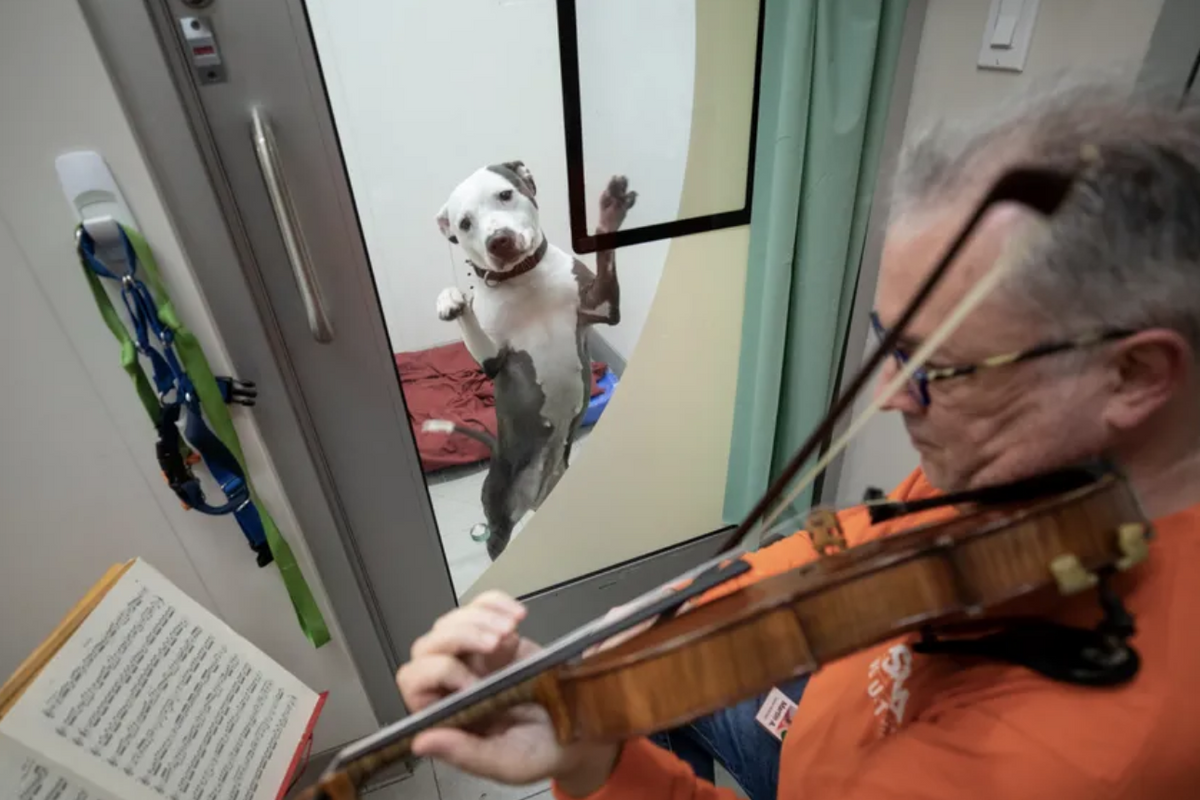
{"type": "Point", "coordinates": [522, 172]}
{"type": "Point", "coordinates": [443, 221]}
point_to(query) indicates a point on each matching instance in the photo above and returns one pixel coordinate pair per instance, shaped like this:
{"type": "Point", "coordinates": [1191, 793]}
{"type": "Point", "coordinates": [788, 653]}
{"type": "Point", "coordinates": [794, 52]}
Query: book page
{"type": "Point", "coordinates": [156, 697]}
{"type": "Point", "coordinates": [26, 776]}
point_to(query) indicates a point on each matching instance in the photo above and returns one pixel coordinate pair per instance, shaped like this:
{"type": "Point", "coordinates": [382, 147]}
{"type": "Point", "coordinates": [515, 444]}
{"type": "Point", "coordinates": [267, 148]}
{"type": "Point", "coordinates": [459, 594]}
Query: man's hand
{"type": "Point", "coordinates": [519, 746]}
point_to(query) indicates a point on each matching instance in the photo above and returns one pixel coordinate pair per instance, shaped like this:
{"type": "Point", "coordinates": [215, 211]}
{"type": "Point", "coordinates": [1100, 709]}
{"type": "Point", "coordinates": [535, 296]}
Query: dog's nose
{"type": "Point", "coordinates": [502, 244]}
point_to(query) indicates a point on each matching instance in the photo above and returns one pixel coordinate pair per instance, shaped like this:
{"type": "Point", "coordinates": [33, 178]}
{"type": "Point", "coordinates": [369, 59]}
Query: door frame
{"type": "Point", "coordinates": [378, 618]}
{"type": "Point", "coordinates": [1174, 48]}
{"type": "Point", "coordinates": [165, 116]}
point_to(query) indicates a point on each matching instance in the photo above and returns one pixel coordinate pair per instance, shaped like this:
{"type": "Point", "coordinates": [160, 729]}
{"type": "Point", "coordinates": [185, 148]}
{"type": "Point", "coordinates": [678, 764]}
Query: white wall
{"type": "Point", "coordinates": [1068, 34]}
{"type": "Point", "coordinates": [80, 488]}
{"type": "Point", "coordinates": [426, 92]}
{"type": "Point", "coordinates": [637, 66]}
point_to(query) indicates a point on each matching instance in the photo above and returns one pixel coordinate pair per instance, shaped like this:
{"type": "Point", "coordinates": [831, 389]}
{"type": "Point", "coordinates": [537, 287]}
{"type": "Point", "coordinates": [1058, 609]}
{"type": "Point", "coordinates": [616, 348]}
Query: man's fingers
{"type": "Point", "coordinates": [615, 613]}
{"type": "Point", "coordinates": [495, 620]}
{"type": "Point", "coordinates": [446, 744]}
{"type": "Point", "coordinates": [500, 602]}
{"type": "Point", "coordinates": [473, 754]}
{"type": "Point", "coordinates": [466, 630]}
{"type": "Point", "coordinates": [423, 681]}
{"type": "Point", "coordinates": [503, 654]}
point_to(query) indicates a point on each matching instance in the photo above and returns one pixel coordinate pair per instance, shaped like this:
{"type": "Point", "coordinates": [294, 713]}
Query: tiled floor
{"type": "Point", "coordinates": [457, 508]}
{"type": "Point", "coordinates": [432, 781]}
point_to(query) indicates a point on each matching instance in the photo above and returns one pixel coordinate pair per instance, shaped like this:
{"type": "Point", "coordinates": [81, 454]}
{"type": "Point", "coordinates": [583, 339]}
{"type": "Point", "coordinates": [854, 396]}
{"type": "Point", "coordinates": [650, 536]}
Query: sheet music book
{"type": "Point", "coordinates": [143, 694]}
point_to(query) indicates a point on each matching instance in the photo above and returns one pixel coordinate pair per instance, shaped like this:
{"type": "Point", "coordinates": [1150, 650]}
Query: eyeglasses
{"type": "Point", "coordinates": [918, 382]}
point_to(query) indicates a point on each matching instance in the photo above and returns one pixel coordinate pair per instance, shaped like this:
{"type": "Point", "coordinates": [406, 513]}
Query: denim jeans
{"type": "Point", "coordinates": [734, 738]}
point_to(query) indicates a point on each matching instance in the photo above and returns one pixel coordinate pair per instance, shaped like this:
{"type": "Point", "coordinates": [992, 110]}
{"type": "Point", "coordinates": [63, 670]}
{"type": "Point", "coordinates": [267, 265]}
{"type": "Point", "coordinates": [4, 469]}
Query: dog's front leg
{"type": "Point", "coordinates": [453, 304]}
{"type": "Point", "coordinates": [600, 299]}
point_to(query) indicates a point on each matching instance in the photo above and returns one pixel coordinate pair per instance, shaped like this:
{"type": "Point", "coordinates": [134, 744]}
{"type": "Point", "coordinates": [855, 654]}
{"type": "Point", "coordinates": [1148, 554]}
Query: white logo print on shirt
{"type": "Point", "coordinates": [885, 686]}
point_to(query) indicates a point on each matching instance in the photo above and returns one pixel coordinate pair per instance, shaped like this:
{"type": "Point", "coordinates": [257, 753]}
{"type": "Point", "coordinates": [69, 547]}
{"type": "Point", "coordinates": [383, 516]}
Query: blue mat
{"type": "Point", "coordinates": [607, 384]}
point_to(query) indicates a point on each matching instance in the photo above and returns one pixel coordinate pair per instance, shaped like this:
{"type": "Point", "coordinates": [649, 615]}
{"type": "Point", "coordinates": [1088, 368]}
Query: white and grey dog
{"type": "Point", "coordinates": [527, 327]}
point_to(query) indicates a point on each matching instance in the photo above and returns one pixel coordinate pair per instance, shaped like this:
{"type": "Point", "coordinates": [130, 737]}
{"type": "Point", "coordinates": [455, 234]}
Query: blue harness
{"type": "Point", "coordinates": [178, 398]}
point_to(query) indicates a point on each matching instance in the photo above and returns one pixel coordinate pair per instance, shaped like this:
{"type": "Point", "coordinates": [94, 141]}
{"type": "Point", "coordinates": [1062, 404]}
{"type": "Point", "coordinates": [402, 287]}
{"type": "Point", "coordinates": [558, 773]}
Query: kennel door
{"type": "Point", "coordinates": [333, 135]}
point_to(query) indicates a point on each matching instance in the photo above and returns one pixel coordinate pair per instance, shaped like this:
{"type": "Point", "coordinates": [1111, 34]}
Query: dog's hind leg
{"type": "Point", "coordinates": [498, 538]}
{"type": "Point", "coordinates": [499, 507]}
{"type": "Point", "coordinates": [553, 468]}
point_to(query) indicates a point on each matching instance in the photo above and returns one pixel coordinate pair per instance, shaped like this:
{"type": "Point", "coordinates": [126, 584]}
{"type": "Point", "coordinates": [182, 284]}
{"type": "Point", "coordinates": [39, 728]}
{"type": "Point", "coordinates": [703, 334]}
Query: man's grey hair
{"type": "Point", "coordinates": [1124, 250]}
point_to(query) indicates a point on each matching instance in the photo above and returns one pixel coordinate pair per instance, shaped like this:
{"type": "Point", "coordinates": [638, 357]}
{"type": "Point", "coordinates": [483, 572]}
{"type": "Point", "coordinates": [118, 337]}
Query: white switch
{"type": "Point", "coordinates": [1006, 23]}
{"type": "Point", "coordinates": [1006, 37]}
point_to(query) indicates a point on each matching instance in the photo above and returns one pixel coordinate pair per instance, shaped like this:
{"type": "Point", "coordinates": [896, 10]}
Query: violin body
{"type": "Point", "coordinates": [966, 573]}
{"type": "Point", "coordinates": [1003, 565]}
{"type": "Point", "coordinates": [984, 569]}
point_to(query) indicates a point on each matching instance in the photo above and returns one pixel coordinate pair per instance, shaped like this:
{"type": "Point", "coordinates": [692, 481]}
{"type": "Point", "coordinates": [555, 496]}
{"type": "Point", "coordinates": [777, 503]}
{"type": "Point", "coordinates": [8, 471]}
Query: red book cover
{"type": "Point", "coordinates": [302, 748]}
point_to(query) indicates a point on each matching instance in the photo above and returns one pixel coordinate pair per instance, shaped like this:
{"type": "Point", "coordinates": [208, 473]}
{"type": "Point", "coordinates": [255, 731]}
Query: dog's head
{"type": "Point", "coordinates": [493, 216]}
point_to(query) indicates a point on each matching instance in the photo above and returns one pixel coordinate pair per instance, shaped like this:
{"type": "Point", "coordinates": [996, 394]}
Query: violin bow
{"type": "Point", "coordinates": [1042, 190]}
{"type": "Point", "coordinates": [1038, 188]}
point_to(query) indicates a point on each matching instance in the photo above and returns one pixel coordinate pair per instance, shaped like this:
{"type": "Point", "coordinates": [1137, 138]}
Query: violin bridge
{"type": "Point", "coordinates": [825, 531]}
{"type": "Point", "coordinates": [1131, 540]}
{"type": "Point", "coordinates": [1070, 574]}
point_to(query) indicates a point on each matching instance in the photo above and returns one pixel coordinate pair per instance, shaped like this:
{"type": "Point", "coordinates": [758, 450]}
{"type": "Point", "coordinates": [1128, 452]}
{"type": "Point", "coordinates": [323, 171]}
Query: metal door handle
{"type": "Point", "coordinates": [285, 216]}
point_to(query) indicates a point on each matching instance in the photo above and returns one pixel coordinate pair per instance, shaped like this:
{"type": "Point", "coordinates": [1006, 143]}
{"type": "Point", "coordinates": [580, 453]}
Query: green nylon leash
{"type": "Point", "coordinates": [215, 409]}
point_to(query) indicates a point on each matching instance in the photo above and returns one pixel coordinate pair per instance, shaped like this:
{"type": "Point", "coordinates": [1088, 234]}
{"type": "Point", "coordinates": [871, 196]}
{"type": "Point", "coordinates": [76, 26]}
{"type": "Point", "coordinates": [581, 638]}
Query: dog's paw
{"type": "Point", "coordinates": [451, 304]}
{"type": "Point", "coordinates": [615, 202]}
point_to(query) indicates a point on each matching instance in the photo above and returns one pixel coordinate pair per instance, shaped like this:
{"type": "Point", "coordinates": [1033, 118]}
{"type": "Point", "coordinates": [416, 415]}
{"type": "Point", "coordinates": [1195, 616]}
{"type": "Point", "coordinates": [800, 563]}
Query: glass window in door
{"type": "Point", "coordinates": [571, 403]}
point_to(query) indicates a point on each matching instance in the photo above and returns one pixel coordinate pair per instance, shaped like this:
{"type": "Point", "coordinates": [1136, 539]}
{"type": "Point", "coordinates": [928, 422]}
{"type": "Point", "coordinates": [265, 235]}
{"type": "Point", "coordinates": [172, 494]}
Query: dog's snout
{"type": "Point", "coordinates": [503, 244]}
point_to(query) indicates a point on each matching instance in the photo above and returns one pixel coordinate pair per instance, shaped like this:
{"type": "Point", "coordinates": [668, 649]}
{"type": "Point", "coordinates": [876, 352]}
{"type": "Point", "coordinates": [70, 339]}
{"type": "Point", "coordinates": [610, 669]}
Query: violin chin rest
{"type": "Point", "coordinates": [1059, 652]}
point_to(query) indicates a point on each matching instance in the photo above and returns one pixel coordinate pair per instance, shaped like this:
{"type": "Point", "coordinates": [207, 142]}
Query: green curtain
{"type": "Point", "coordinates": [826, 81]}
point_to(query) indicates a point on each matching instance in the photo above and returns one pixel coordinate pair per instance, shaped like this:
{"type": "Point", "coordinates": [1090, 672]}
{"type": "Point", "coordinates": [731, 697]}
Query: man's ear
{"type": "Point", "coordinates": [524, 174]}
{"type": "Point", "coordinates": [1149, 369]}
{"type": "Point", "coordinates": [443, 221]}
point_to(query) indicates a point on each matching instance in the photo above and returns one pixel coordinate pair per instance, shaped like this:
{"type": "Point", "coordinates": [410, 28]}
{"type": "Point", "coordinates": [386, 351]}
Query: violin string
{"type": "Point", "coordinates": [785, 526]}
{"type": "Point", "coordinates": [975, 296]}
{"type": "Point", "coordinates": [608, 626]}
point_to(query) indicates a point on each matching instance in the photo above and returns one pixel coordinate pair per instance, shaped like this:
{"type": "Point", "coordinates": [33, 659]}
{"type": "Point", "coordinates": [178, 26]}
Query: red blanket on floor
{"type": "Point", "coordinates": [446, 383]}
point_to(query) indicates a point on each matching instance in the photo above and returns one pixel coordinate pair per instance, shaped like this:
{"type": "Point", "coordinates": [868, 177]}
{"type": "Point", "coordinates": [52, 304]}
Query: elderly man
{"type": "Point", "coordinates": [1105, 311]}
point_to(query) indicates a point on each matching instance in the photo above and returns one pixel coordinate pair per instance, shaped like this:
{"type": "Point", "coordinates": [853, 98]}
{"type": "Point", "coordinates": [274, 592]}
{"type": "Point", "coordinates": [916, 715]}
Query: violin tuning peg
{"type": "Point", "coordinates": [1132, 542]}
{"type": "Point", "coordinates": [1070, 574]}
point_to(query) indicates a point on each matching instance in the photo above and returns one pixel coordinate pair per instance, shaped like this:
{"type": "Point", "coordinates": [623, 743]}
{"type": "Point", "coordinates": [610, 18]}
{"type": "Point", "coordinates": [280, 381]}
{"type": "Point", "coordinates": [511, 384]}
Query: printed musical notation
{"type": "Point", "coordinates": [26, 777]}
{"type": "Point", "coordinates": [180, 707]}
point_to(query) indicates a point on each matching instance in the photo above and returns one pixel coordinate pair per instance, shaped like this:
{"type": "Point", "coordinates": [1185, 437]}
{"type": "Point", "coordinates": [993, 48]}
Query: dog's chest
{"type": "Point", "coordinates": [539, 314]}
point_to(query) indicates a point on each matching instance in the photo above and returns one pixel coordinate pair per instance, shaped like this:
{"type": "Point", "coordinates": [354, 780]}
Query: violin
{"type": "Point", "coordinates": [978, 584]}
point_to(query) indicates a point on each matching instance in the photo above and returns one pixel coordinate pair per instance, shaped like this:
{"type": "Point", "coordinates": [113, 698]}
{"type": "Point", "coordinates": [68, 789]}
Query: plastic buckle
{"type": "Point", "coordinates": [243, 393]}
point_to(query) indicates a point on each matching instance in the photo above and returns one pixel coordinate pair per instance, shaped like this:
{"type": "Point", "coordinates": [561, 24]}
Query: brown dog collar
{"type": "Point", "coordinates": [492, 277]}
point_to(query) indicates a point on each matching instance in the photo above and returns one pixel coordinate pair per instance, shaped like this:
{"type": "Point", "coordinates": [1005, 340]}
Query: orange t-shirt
{"type": "Point", "coordinates": [887, 723]}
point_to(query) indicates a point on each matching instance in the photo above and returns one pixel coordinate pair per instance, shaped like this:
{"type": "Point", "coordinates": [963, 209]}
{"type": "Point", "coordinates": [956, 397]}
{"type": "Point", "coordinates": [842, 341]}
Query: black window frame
{"type": "Point", "coordinates": [582, 240]}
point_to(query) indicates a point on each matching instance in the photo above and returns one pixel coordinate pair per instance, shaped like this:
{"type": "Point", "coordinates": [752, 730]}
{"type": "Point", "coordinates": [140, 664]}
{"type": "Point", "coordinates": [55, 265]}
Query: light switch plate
{"type": "Point", "coordinates": [1007, 34]}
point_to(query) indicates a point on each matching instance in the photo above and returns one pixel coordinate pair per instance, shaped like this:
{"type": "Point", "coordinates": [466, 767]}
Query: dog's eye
{"type": "Point", "coordinates": [506, 195]}
{"type": "Point", "coordinates": [465, 225]}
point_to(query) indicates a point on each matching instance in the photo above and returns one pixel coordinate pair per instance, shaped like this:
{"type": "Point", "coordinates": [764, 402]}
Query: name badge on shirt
{"type": "Point", "coordinates": [775, 714]}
